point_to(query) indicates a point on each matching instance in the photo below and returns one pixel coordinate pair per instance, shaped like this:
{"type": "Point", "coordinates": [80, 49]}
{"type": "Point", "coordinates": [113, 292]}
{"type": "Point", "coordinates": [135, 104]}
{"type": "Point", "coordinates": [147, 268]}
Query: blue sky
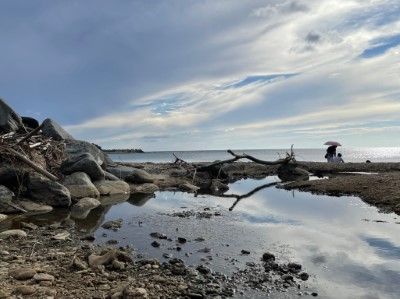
{"type": "Point", "coordinates": [206, 74]}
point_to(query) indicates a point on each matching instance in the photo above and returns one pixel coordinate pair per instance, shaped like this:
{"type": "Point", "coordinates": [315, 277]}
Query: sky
{"type": "Point", "coordinates": [206, 74]}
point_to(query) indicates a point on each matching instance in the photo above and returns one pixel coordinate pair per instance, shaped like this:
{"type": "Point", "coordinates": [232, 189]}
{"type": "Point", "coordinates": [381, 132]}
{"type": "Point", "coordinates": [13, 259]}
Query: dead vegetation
{"type": "Point", "coordinates": [33, 150]}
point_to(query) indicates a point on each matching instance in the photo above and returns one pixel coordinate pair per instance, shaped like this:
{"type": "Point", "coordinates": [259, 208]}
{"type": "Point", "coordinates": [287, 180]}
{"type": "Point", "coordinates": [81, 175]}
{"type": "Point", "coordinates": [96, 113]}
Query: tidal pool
{"type": "Point", "coordinates": [349, 248]}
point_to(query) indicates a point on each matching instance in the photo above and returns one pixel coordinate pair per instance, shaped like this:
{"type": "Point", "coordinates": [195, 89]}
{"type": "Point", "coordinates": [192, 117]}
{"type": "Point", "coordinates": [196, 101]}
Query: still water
{"type": "Point", "coordinates": [350, 250]}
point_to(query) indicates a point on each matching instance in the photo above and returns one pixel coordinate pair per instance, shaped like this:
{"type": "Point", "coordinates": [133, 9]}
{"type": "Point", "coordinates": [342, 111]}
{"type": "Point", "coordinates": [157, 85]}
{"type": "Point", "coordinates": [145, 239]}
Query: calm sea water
{"type": "Point", "coordinates": [374, 154]}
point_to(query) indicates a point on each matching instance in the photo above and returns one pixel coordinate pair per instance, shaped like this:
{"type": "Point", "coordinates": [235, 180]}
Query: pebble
{"type": "Point", "coordinates": [25, 290]}
{"type": "Point", "coordinates": [22, 273]}
{"type": "Point", "coordinates": [19, 233]}
{"type": "Point", "coordinates": [43, 277]}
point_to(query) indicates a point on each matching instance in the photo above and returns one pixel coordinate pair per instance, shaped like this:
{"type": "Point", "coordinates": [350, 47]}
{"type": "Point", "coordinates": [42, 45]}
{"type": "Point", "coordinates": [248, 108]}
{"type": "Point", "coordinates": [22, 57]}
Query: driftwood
{"type": "Point", "coordinates": [178, 160]}
{"type": "Point", "coordinates": [33, 165]}
{"type": "Point", "coordinates": [289, 157]}
{"type": "Point", "coordinates": [30, 134]}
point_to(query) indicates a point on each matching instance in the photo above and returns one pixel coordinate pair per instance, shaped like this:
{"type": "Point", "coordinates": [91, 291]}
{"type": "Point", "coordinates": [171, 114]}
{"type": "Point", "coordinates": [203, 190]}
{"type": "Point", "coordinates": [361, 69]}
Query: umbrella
{"type": "Point", "coordinates": [332, 143]}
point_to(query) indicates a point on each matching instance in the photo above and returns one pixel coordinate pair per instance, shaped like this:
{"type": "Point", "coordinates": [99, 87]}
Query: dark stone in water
{"type": "Point", "coordinates": [268, 257]}
{"type": "Point", "coordinates": [155, 244]}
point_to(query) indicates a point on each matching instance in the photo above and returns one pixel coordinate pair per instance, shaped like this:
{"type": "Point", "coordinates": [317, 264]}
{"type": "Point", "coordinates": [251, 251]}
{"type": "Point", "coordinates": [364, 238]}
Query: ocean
{"type": "Point", "coordinates": [362, 154]}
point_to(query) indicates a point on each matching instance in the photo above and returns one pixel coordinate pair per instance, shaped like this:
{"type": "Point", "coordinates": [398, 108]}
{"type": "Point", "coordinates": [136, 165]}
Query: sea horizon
{"type": "Point", "coordinates": [354, 155]}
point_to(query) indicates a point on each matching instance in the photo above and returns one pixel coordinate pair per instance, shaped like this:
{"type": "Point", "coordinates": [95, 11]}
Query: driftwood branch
{"type": "Point", "coordinates": [178, 160]}
{"type": "Point", "coordinates": [30, 134]}
{"type": "Point", "coordinates": [17, 208]}
{"type": "Point", "coordinates": [289, 157]}
{"type": "Point", "coordinates": [33, 165]}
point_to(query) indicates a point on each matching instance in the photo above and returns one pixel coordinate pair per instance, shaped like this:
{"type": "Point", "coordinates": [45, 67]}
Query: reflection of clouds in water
{"type": "Point", "coordinates": [327, 235]}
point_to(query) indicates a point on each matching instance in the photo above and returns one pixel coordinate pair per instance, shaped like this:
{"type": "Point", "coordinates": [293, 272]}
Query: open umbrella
{"type": "Point", "coordinates": [332, 143]}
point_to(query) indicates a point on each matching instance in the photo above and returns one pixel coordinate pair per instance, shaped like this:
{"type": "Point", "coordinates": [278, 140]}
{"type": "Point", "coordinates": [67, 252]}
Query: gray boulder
{"type": "Point", "coordinates": [30, 122]}
{"type": "Point", "coordinates": [110, 176]}
{"type": "Point", "coordinates": [131, 174]}
{"type": "Point", "coordinates": [54, 130]}
{"type": "Point", "coordinates": [112, 187]}
{"type": "Point", "coordinates": [48, 192]}
{"type": "Point", "coordinates": [12, 177]}
{"type": "Point", "coordinates": [83, 163]}
{"type": "Point", "coordinates": [75, 148]}
{"type": "Point", "coordinates": [6, 196]}
{"type": "Point", "coordinates": [10, 121]}
{"type": "Point", "coordinates": [80, 185]}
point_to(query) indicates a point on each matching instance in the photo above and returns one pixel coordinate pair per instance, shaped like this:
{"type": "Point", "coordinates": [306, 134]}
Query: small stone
{"type": "Point", "coordinates": [167, 255]}
{"type": "Point", "coordinates": [268, 257]}
{"type": "Point", "coordinates": [18, 233]}
{"type": "Point", "coordinates": [43, 277]}
{"type": "Point", "coordinates": [304, 276]}
{"type": "Point", "coordinates": [79, 264]}
{"type": "Point", "coordinates": [118, 265]}
{"type": "Point", "coordinates": [155, 244]}
{"type": "Point", "coordinates": [287, 277]}
{"type": "Point", "coordinates": [314, 294]}
{"type": "Point", "coordinates": [23, 273]}
{"type": "Point", "coordinates": [25, 290]}
{"type": "Point", "coordinates": [158, 235]}
{"type": "Point", "coordinates": [245, 252]}
{"type": "Point", "coordinates": [182, 240]}
{"type": "Point", "coordinates": [29, 226]}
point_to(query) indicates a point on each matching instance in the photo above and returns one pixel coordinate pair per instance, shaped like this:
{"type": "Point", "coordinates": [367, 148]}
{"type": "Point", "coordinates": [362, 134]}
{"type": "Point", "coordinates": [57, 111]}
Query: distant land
{"type": "Point", "coordinates": [123, 151]}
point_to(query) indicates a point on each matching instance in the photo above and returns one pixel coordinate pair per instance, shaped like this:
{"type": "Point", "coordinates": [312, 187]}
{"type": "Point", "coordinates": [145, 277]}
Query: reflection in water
{"type": "Point", "coordinates": [347, 256]}
{"type": "Point", "coordinates": [139, 199]}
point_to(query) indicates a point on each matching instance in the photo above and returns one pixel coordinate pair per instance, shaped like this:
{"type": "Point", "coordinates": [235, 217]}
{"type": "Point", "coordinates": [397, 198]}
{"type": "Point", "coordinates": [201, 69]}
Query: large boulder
{"type": "Point", "coordinates": [54, 130]}
{"type": "Point", "coordinates": [75, 148]}
{"type": "Point", "coordinates": [131, 174]}
{"type": "Point", "coordinates": [12, 177]}
{"type": "Point", "coordinates": [83, 163]}
{"type": "Point", "coordinates": [48, 192]}
{"type": "Point", "coordinates": [30, 122]}
{"type": "Point", "coordinates": [112, 187]}
{"type": "Point", "coordinates": [80, 185]}
{"type": "Point", "coordinates": [10, 121]}
{"type": "Point", "coordinates": [6, 196]}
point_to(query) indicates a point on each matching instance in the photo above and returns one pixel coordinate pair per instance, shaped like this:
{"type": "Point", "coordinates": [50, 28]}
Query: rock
{"type": "Point", "coordinates": [43, 277]}
{"type": "Point", "coordinates": [12, 177]}
{"type": "Point", "coordinates": [18, 233]}
{"type": "Point", "coordinates": [110, 176]}
{"type": "Point", "coordinates": [10, 121]}
{"type": "Point", "coordinates": [33, 207]}
{"type": "Point", "coordinates": [287, 277]}
{"type": "Point", "coordinates": [6, 196]}
{"type": "Point", "coordinates": [268, 257]}
{"type": "Point", "coordinates": [294, 266]}
{"type": "Point", "coordinates": [30, 122]}
{"type": "Point", "coordinates": [182, 240]}
{"type": "Point", "coordinates": [22, 273]}
{"type": "Point", "coordinates": [79, 264]}
{"type": "Point", "coordinates": [83, 207]}
{"type": "Point", "coordinates": [158, 235]}
{"type": "Point", "coordinates": [117, 265]}
{"type": "Point", "coordinates": [112, 187]}
{"type": "Point", "coordinates": [131, 174]}
{"type": "Point", "coordinates": [86, 203]}
{"type": "Point", "coordinates": [29, 226]}
{"type": "Point", "coordinates": [61, 236]}
{"type": "Point", "coordinates": [48, 192]}
{"type": "Point", "coordinates": [25, 290]}
{"type": "Point", "coordinates": [83, 163]}
{"type": "Point", "coordinates": [304, 276]}
{"type": "Point", "coordinates": [80, 185]}
{"type": "Point", "coordinates": [146, 188]}
{"type": "Point", "coordinates": [133, 293]}
{"type": "Point", "coordinates": [54, 130]}
{"type": "Point", "coordinates": [3, 217]}
{"type": "Point", "coordinates": [105, 259]}
{"type": "Point", "coordinates": [155, 244]}
{"type": "Point", "coordinates": [188, 187]}
{"type": "Point", "coordinates": [76, 148]}
{"type": "Point", "coordinates": [113, 224]}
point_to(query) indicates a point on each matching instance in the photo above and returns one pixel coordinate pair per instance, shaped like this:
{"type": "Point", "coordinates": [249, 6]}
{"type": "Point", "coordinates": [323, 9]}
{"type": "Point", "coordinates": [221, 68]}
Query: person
{"type": "Point", "coordinates": [330, 153]}
{"type": "Point", "coordinates": [338, 159]}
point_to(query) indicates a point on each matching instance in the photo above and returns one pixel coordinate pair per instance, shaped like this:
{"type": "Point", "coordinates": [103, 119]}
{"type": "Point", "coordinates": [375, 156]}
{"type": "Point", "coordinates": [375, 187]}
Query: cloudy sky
{"type": "Point", "coordinates": [206, 74]}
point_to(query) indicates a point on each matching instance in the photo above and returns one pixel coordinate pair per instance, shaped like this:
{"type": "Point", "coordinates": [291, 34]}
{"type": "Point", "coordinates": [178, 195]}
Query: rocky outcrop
{"type": "Point", "coordinates": [10, 121]}
{"type": "Point", "coordinates": [75, 148]}
{"type": "Point", "coordinates": [54, 130]}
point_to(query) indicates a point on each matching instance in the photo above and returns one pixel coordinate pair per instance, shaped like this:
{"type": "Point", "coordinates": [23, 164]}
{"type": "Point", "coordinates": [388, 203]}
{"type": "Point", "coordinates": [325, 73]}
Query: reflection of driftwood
{"type": "Point", "coordinates": [33, 165]}
{"type": "Point", "coordinates": [240, 197]}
